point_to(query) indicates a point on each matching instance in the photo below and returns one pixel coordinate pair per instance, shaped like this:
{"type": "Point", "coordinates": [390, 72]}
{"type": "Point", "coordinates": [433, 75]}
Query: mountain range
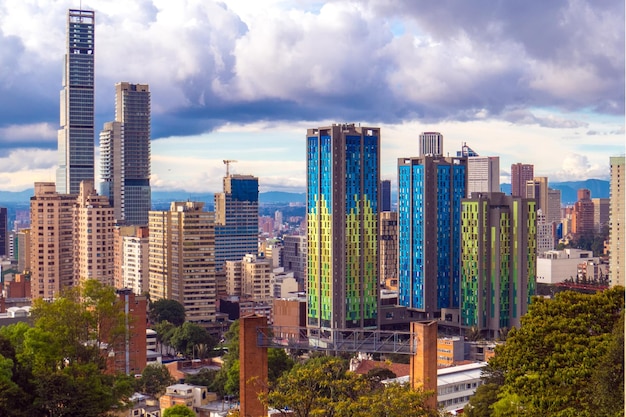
{"type": "Point", "coordinates": [598, 188]}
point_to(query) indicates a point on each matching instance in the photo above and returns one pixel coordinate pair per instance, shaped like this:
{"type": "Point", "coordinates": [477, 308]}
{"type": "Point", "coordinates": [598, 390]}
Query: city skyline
{"type": "Point", "coordinates": [243, 80]}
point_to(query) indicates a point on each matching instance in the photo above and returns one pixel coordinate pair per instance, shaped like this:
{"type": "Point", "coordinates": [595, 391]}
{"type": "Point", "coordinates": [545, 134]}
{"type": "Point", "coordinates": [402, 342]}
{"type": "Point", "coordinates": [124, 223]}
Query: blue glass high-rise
{"type": "Point", "coordinates": [430, 190]}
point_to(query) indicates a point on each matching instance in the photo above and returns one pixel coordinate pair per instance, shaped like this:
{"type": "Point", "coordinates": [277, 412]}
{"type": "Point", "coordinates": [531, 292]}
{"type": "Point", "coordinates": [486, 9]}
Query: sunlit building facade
{"type": "Point", "coordinates": [342, 219]}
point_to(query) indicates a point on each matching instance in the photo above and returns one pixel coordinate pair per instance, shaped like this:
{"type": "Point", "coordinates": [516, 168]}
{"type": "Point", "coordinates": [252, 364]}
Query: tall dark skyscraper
{"type": "Point", "coordinates": [125, 155]}
{"type": "Point", "coordinates": [76, 134]}
{"type": "Point", "coordinates": [4, 232]}
{"type": "Point", "coordinates": [342, 228]}
{"type": "Point", "coordinates": [385, 195]}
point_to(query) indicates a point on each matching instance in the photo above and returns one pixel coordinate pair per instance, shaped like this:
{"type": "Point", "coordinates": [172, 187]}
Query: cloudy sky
{"type": "Point", "coordinates": [538, 82]}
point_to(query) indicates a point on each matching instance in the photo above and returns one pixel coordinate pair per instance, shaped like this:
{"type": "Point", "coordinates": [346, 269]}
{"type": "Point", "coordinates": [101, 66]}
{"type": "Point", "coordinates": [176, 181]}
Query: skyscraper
{"type": "Point", "coordinates": [236, 219]}
{"type": "Point", "coordinates": [520, 173]}
{"type": "Point", "coordinates": [431, 143]}
{"type": "Point", "coordinates": [76, 134]}
{"type": "Point", "coordinates": [582, 215]}
{"type": "Point", "coordinates": [4, 232]}
{"type": "Point", "coordinates": [388, 225]}
{"type": "Point", "coordinates": [430, 190]}
{"type": "Point", "coordinates": [385, 195]}
{"type": "Point", "coordinates": [125, 155]}
{"type": "Point", "coordinates": [342, 219]}
{"type": "Point", "coordinates": [498, 260]}
{"type": "Point", "coordinates": [617, 215]}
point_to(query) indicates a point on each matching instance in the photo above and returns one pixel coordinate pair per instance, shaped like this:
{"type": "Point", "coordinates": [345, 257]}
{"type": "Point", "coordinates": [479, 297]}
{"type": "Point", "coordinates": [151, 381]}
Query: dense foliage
{"type": "Point", "coordinates": [178, 410]}
{"type": "Point", "coordinates": [565, 360]}
{"type": "Point", "coordinates": [323, 387]}
{"type": "Point", "coordinates": [167, 310]}
{"type": "Point", "coordinates": [56, 367]}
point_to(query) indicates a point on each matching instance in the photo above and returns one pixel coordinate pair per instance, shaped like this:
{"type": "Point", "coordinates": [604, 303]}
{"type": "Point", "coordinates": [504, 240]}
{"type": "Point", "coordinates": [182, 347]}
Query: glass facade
{"type": "Point", "coordinates": [430, 190]}
{"type": "Point", "coordinates": [76, 134]}
{"type": "Point", "coordinates": [342, 226]}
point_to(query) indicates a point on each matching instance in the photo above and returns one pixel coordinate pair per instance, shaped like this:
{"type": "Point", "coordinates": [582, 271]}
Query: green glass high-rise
{"type": "Point", "coordinates": [342, 228]}
{"type": "Point", "coordinates": [498, 260]}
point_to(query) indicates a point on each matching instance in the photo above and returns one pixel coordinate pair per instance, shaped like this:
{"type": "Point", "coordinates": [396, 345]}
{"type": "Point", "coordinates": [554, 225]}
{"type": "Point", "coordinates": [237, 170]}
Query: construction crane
{"type": "Point", "coordinates": [227, 162]}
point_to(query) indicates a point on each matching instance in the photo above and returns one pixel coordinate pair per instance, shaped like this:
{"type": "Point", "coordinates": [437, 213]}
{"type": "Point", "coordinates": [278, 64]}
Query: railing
{"type": "Point", "coordinates": [340, 340]}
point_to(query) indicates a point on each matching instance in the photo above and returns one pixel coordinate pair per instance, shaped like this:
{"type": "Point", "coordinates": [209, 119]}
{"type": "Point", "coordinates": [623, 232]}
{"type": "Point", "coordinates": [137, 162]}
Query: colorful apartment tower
{"type": "Point", "coordinates": [430, 190]}
{"type": "Point", "coordinates": [498, 260]}
{"type": "Point", "coordinates": [342, 219]}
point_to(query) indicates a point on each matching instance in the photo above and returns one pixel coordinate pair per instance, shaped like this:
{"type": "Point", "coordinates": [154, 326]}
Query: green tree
{"type": "Point", "coordinates": [278, 362]}
{"type": "Point", "coordinates": [170, 310]}
{"type": "Point", "coordinates": [323, 387]}
{"type": "Point", "coordinates": [608, 376]}
{"type": "Point", "coordinates": [205, 377]}
{"type": "Point", "coordinates": [178, 410]}
{"type": "Point", "coordinates": [546, 367]}
{"type": "Point", "coordinates": [165, 331]}
{"type": "Point", "coordinates": [481, 403]}
{"type": "Point", "coordinates": [58, 365]}
{"type": "Point", "coordinates": [155, 378]}
{"type": "Point", "coordinates": [394, 400]}
{"type": "Point", "coordinates": [187, 339]}
{"type": "Point", "coordinates": [375, 376]}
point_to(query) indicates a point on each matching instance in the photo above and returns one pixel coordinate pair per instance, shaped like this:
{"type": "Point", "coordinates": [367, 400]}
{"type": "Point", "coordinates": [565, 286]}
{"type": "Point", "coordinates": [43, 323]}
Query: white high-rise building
{"type": "Point", "coordinates": [431, 144]}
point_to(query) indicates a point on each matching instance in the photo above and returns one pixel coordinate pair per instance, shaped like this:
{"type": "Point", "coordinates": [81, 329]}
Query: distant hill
{"type": "Point", "coordinates": [280, 197]}
{"type": "Point", "coordinates": [161, 199]}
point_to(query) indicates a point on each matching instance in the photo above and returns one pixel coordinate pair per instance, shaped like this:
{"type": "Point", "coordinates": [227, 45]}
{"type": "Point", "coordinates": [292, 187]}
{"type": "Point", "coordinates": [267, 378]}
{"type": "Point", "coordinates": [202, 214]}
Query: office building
{"type": "Point", "coordinates": [294, 257]}
{"type": "Point", "coordinates": [4, 232]}
{"type": "Point", "coordinates": [537, 188]}
{"type": "Point", "coordinates": [182, 259]}
{"type": "Point", "coordinates": [76, 134]}
{"type": "Point", "coordinates": [93, 236]}
{"type": "Point", "coordinates": [236, 219]}
{"type": "Point", "coordinates": [431, 144]}
{"type": "Point", "coordinates": [483, 172]}
{"type": "Point", "coordinates": [553, 215]}
{"type": "Point", "coordinates": [343, 169]}
{"type": "Point", "coordinates": [23, 250]}
{"type": "Point", "coordinates": [545, 234]}
{"type": "Point", "coordinates": [498, 261]}
{"type": "Point", "coordinates": [520, 174]}
{"type": "Point", "coordinates": [556, 266]}
{"type": "Point", "coordinates": [583, 214]}
{"type": "Point", "coordinates": [617, 215]}
{"type": "Point", "coordinates": [430, 190]}
{"type": "Point", "coordinates": [385, 195]}
{"type": "Point", "coordinates": [125, 155]}
{"type": "Point", "coordinates": [600, 212]}
{"type": "Point", "coordinates": [388, 225]}
{"type": "Point", "coordinates": [51, 241]}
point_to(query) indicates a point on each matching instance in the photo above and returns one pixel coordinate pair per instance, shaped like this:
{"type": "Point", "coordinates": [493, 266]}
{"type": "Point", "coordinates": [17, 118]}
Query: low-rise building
{"type": "Point", "coordinates": [556, 266]}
